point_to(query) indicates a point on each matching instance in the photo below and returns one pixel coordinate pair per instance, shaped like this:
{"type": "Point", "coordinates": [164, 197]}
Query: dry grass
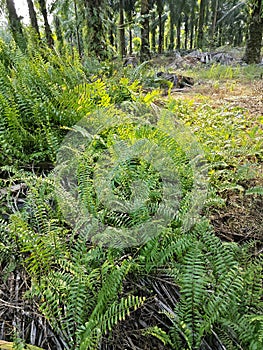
{"type": "Point", "coordinates": [247, 95]}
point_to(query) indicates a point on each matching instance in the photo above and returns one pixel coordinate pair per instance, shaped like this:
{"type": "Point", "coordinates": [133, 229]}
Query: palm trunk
{"type": "Point", "coordinates": [129, 18]}
{"type": "Point", "coordinates": [160, 41]}
{"type": "Point", "coordinates": [15, 25]}
{"type": "Point", "coordinates": [178, 28]}
{"type": "Point", "coordinates": [253, 46]}
{"type": "Point", "coordinates": [172, 22]}
{"type": "Point", "coordinates": [186, 31]}
{"type": "Point", "coordinates": [145, 49]}
{"type": "Point", "coordinates": [130, 40]}
{"type": "Point", "coordinates": [200, 36]}
{"type": "Point", "coordinates": [48, 32]}
{"type": "Point", "coordinates": [214, 18]}
{"type": "Point", "coordinates": [96, 37]}
{"type": "Point", "coordinates": [77, 28]}
{"type": "Point", "coordinates": [153, 33]}
{"type": "Point", "coordinates": [33, 17]}
{"type": "Point", "coordinates": [192, 25]}
{"type": "Point", "coordinates": [122, 30]}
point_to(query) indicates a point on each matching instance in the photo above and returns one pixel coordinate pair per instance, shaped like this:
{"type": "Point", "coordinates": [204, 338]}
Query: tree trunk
{"type": "Point", "coordinates": [96, 38]}
{"type": "Point", "coordinates": [129, 18]}
{"type": "Point", "coordinates": [161, 25]}
{"type": "Point", "coordinates": [77, 28]}
{"type": "Point", "coordinates": [33, 17]}
{"type": "Point", "coordinates": [153, 33]}
{"type": "Point", "coordinates": [192, 24]}
{"type": "Point", "coordinates": [160, 40]}
{"type": "Point", "coordinates": [128, 9]}
{"type": "Point", "coordinates": [214, 19]}
{"type": "Point", "coordinates": [186, 20]}
{"type": "Point", "coordinates": [145, 49]}
{"type": "Point", "coordinates": [200, 35]}
{"type": "Point", "coordinates": [178, 30]}
{"type": "Point", "coordinates": [15, 25]}
{"type": "Point", "coordinates": [130, 40]}
{"type": "Point", "coordinates": [172, 20]}
{"type": "Point", "coordinates": [122, 30]}
{"type": "Point", "coordinates": [48, 32]}
{"type": "Point", "coordinates": [253, 45]}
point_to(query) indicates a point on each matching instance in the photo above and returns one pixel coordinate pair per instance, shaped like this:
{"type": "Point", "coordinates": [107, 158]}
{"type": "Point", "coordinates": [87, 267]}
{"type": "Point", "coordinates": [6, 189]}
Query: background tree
{"type": "Point", "coordinates": [129, 10]}
{"type": "Point", "coordinates": [193, 7]}
{"type": "Point", "coordinates": [253, 46]}
{"type": "Point", "coordinates": [200, 35]}
{"type": "Point", "coordinates": [15, 25]}
{"type": "Point", "coordinates": [77, 28]}
{"type": "Point", "coordinates": [33, 17]}
{"type": "Point", "coordinates": [145, 47]}
{"type": "Point", "coordinates": [48, 31]}
{"type": "Point", "coordinates": [214, 19]}
{"type": "Point", "coordinates": [122, 29]}
{"type": "Point", "coordinates": [172, 23]}
{"type": "Point", "coordinates": [96, 38]}
{"type": "Point", "coordinates": [160, 6]}
{"type": "Point", "coordinates": [97, 28]}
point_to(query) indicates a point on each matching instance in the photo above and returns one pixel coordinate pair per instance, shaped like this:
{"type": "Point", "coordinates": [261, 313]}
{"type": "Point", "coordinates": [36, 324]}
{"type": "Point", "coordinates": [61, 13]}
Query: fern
{"type": "Point", "coordinates": [193, 294]}
{"type": "Point", "coordinates": [115, 313]}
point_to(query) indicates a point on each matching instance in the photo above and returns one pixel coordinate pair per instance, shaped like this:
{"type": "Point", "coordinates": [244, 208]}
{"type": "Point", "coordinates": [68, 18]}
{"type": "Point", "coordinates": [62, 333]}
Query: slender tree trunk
{"type": "Point", "coordinates": [15, 25]}
{"type": "Point", "coordinates": [178, 33]}
{"type": "Point", "coordinates": [122, 30]}
{"type": "Point", "coordinates": [77, 28]}
{"type": "Point", "coordinates": [130, 41]}
{"type": "Point", "coordinates": [186, 28]}
{"type": "Point", "coordinates": [200, 35]}
{"type": "Point", "coordinates": [160, 25]}
{"type": "Point", "coordinates": [153, 33]}
{"type": "Point", "coordinates": [48, 32]}
{"type": "Point", "coordinates": [253, 45]}
{"type": "Point", "coordinates": [33, 17]}
{"type": "Point", "coordinates": [160, 40]}
{"type": "Point", "coordinates": [172, 23]}
{"type": "Point", "coordinates": [129, 18]}
{"type": "Point", "coordinates": [192, 24]}
{"type": "Point", "coordinates": [145, 49]}
{"type": "Point", "coordinates": [214, 19]}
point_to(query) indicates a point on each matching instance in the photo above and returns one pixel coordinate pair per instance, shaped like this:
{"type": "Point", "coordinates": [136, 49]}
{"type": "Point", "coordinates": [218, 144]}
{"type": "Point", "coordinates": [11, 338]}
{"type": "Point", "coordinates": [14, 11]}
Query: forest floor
{"type": "Point", "coordinates": [241, 219]}
{"type": "Point", "coordinates": [230, 94]}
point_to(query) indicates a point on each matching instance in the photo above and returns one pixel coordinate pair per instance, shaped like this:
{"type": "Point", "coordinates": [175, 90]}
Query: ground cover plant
{"type": "Point", "coordinates": [185, 287]}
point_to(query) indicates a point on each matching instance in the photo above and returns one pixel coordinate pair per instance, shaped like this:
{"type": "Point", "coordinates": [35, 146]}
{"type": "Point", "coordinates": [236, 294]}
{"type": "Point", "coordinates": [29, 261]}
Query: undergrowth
{"type": "Point", "coordinates": [72, 230]}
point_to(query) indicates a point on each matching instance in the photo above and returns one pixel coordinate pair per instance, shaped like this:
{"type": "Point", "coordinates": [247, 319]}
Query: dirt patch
{"type": "Point", "coordinates": [248, 96]}
{"type": "Point", "coordinates": [241, 220]}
